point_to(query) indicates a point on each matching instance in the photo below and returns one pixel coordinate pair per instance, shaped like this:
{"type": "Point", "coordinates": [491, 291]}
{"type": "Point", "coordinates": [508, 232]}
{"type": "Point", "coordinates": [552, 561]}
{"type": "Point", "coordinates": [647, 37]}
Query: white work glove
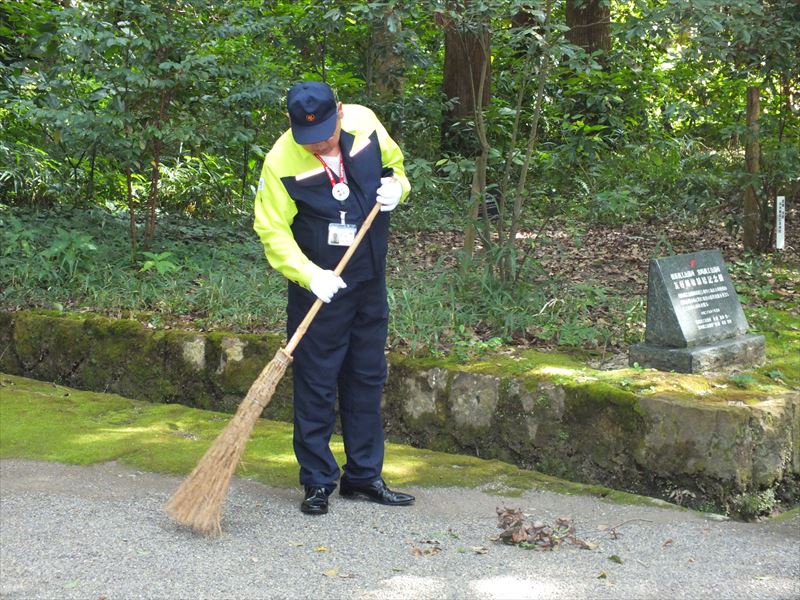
{"type": "Point", "coordinates": [389, 193]}
{"type": "Point", "coordinates": [325, 284]}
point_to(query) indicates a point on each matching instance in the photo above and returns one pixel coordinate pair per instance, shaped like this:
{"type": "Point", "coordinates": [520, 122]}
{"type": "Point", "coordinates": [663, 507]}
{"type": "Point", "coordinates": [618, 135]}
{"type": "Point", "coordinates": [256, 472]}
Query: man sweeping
{"type": "Point", "coordinates": [318, 184]}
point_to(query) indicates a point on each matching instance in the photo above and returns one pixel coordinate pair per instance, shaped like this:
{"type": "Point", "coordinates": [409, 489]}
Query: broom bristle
{"type": "Point", "coordinates": [198, 501]}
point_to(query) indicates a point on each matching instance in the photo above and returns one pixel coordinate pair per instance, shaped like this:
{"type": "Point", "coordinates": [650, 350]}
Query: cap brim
{"type": "Point", "coordinates": [318, 132]}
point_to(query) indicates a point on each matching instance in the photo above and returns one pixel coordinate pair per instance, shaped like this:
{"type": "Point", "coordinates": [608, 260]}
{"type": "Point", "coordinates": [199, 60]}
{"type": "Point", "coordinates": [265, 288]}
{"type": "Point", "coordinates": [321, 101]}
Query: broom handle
{"type": "Point", "coordinates": [312, 312]}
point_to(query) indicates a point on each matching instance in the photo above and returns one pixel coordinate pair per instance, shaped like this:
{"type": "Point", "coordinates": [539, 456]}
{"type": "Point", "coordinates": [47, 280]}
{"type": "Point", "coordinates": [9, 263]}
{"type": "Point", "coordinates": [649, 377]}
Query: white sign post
{"type": "Point", "coordinates": [780, 220]}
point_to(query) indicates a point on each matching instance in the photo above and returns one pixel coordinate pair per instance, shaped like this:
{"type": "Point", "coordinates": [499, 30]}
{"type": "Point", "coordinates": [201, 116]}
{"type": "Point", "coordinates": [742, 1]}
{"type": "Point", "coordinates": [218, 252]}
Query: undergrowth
{"type": "Point", "coordinates": [208, 275]}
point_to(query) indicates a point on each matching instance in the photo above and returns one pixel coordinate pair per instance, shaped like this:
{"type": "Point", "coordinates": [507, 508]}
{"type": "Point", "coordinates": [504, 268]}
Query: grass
{"type": "Point", "coordinates": [44, 421]}
{"type": "Point", "coordinates": [214, 276]}
{"type": "Point", "coordinates": [204, 274]}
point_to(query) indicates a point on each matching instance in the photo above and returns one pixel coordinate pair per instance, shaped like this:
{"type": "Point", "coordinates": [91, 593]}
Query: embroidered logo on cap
{"type": "Point", "coordinates": [311, 117]}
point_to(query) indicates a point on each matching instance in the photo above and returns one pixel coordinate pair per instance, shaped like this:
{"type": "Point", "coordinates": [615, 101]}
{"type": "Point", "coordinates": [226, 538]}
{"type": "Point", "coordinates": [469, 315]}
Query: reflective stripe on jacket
{"type": "Point", "coordinates": [294, 205]}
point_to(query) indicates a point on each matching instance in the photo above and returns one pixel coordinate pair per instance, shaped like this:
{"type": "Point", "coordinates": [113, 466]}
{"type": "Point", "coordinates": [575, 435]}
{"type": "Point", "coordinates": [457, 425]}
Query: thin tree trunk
{"type": "Point", "coordinates": [753, 217]}
{"type": "Point", "coordinates": [92, 162]}
{"type": "Point", "coordinates": [245, 169]}
{"type": "Point", "coordinates": [478, 187]}
{"type": "Point", "coordinates": [786, 104]}
{"type": "Point", "coordinates": [519, 193]}
{"type": "Point", "coordinates": [477, 197]}
{"type": "Point", "coordinates": [152, 196]}
{"type": "Point", "coordinates": [128, 173]}
{"type": "Point", "coordinates": [131, 210]}
{"type": "Point", "coordinates": [155, 173]}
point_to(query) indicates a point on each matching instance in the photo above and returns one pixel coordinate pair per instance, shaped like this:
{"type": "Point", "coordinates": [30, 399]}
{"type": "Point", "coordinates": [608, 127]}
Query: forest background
{"type": "Point", "coordinates": [553, 147]}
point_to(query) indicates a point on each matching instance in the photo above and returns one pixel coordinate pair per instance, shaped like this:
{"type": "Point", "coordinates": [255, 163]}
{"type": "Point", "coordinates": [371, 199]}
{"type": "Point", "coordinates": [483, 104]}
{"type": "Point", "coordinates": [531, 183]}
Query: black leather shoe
{"type": "Point", "coordinates": [316, 500]}
{"type": "Point", "coordinates": [375, 491]}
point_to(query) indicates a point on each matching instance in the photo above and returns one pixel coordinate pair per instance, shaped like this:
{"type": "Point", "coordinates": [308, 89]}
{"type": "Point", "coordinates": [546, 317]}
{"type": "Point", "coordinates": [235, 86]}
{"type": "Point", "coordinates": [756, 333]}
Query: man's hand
{"type": "Point", "coordinates": [389, 193]}
{"type": "Point", "coordinates": [325, 284]}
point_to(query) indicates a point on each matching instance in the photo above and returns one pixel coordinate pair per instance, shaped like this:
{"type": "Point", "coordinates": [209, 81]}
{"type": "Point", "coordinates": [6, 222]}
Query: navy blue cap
{"type": "Point", "coordinates": [313, 111]}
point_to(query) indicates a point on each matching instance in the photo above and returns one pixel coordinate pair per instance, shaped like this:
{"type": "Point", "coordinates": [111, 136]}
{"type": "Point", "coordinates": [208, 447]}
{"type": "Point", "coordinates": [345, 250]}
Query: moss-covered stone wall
{"type": "Point", "coordinates": [545, 412]}
{"type": "Point", "coordinates": [124, 357]}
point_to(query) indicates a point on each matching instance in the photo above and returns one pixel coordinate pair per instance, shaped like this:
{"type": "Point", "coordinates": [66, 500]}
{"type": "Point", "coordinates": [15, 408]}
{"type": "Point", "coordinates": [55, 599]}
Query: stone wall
{"type": "Point", "coordinates": [594, 432]}
{"type": "Point", "coordinates": [584, 431]}
{"type": "Point", "coordinates": [212, 371]}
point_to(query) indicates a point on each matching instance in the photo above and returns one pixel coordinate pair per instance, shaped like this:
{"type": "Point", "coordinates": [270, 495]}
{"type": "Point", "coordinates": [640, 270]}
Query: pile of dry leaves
{"type": "Point", "coordinates": [536, 535]}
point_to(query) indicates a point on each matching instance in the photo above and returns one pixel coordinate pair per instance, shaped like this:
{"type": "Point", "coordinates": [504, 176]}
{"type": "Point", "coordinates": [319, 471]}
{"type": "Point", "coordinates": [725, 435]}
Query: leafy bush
{"type": "Point", "coordinates": [752, 505]}
{"type": "Point", "coordinates": [674, 178]}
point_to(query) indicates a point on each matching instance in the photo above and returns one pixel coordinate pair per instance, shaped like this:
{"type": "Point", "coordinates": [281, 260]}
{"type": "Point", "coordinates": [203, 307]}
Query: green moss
{"type": "Point", "coordinates": [532, 367]}
{"type": "Point", "coordinates": [125, 357]}
{"type": "Point", "coordinates": [787, 516]}
{"type": "Point", "coordinates": [502, 365]}
{"type": "Point", "coordinates": [586, 398]}
{"type": "Point", "coordinates": [51, 422]}
{"type": "Point", "coordinates": [781, 331]}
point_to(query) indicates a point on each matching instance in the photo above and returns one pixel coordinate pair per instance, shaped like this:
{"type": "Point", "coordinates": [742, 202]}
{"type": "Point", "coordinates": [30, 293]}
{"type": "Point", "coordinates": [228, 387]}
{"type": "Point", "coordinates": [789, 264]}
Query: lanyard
{"type": "Point", "coordinates": [329, 173]}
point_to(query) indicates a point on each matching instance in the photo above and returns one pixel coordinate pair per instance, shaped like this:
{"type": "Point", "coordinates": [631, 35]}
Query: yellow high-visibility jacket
{"type": "Point", "coordinates": [294, 205]}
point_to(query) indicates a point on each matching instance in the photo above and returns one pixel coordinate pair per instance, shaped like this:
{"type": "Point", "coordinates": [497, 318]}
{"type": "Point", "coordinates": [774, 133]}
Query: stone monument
{"type": "Point", "coordinates": [695, 321]}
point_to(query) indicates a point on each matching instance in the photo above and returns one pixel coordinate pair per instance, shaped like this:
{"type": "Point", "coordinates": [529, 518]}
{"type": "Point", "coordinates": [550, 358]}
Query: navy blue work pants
{"type": "Point", "coordinates": [342, 352]}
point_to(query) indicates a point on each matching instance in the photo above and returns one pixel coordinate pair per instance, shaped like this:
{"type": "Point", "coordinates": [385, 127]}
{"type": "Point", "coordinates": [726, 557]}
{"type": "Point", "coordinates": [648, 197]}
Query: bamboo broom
{"type": "Point", "coordinates": [198, 501]}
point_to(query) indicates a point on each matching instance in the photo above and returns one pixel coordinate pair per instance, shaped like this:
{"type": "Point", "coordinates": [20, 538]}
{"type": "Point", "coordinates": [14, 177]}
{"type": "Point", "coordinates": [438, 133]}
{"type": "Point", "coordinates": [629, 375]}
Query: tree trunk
{"type": "Point", "coordinates": [131, 210]}
{"type": "Point", "coordinates": [152, 196]}
{"type": "Point", "coordinates": [467, 56]}
{"type": "Point", "coordinates": [477, 194]}
{"type": "Point", "coordinates": [385, 76]}
{"type": "Point", "coordinates": [245, 169]}
{"type": "Point", "coordinates": [589, 23]}
{"type": "Point", "coordinates": [92, 163]}
{"type": "Point", "coordinates": [155, 173]}
{"type": "Point", "coordinates": [753, 221]}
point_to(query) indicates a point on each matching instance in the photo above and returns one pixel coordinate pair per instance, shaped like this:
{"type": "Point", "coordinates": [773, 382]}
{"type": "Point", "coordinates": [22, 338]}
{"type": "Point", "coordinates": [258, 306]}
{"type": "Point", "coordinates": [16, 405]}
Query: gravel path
{"type": "Point", "coordinates": [99, 532]}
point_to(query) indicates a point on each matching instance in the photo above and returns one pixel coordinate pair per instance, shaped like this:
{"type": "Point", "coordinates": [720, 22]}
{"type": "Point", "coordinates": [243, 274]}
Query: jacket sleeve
{"type": "Point", "coordinates": [274, 213]}
{"type": "Point", "coordinates": [392, 157]}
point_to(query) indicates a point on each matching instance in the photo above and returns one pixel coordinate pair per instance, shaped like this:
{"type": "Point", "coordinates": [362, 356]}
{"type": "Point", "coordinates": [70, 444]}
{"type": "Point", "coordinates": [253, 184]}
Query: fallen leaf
{"type": "Point", "coordinates": [667, 543]}
{"type": "Point", "coordinates": [615, 558]}
{"type": "Point", "coordinates": [584, 544]}
{"type": "Point", "coordinates": [321, 549]}
{"type": "Point", "coordinates": [480, 550]}
{"type": "Point", "coordinates": [602, 575]}
{"type": "Point", "coordinates": [425, 551]}
{"type": "Point", "coordinates": [331, 572]}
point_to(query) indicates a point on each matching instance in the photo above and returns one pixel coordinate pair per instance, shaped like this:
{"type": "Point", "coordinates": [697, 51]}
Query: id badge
{"type": "Point", "coordinates": [341, 234]}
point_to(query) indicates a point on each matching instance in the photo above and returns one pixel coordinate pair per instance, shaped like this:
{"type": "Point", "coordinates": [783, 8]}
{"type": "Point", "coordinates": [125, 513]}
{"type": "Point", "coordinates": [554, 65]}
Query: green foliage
{"type": "Point", "coordinates": [674, 178]}
{"type": "Point", "coordinates": [128, 85]}
{"type": "Point", "coordinates": [742, 380]}
{"type": "Point", "coordinates": [210, 274]}
{"type": "Point", "coordinates": [69, 251]}
{"type": "Point", "coordinates": [94, 88]}
{"type": "Point", "coordinates": [97, 96]}
{"type": "Point", "coordinates": [160, 262]}
{"type": "Point", "coordinates": [752, 505]}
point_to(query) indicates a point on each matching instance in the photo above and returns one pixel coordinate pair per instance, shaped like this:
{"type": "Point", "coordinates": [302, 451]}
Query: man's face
{"type": "Point", "coordinates": [331, 145]}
